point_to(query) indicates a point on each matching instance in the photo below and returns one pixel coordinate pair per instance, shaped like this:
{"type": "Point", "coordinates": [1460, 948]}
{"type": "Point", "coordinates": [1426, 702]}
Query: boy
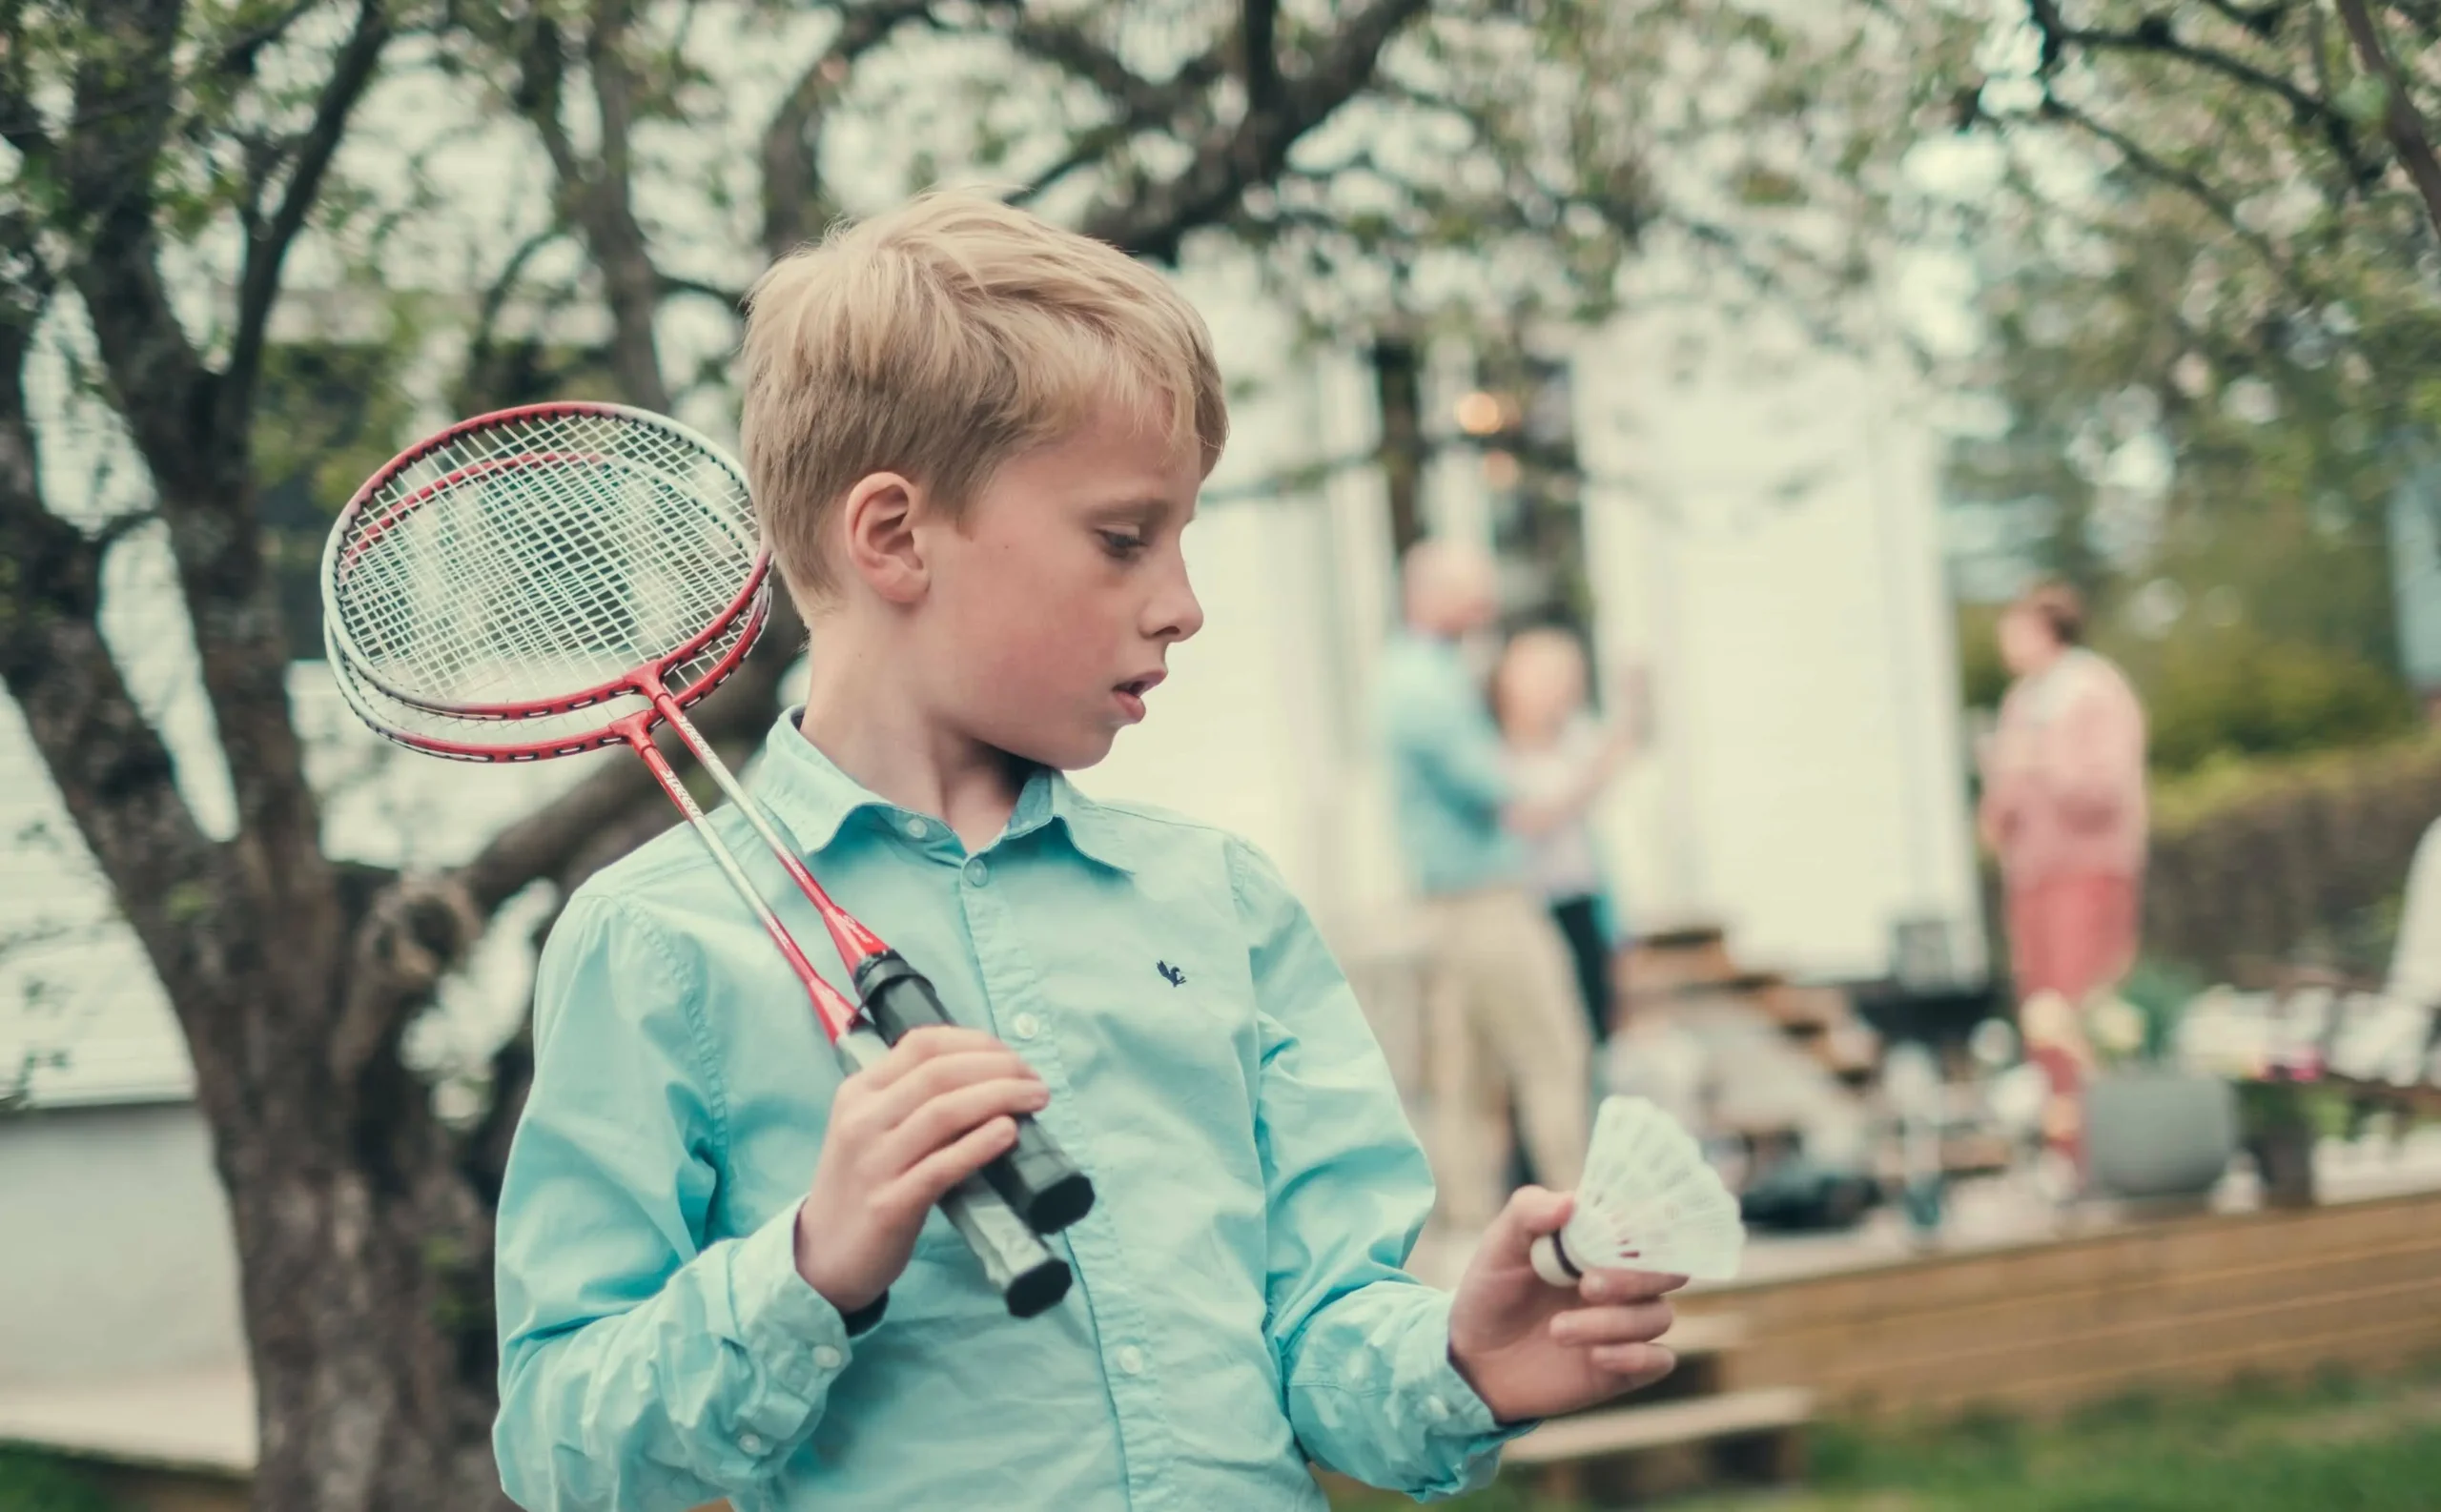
{"type": "Point", "coordinates": [974, 440]}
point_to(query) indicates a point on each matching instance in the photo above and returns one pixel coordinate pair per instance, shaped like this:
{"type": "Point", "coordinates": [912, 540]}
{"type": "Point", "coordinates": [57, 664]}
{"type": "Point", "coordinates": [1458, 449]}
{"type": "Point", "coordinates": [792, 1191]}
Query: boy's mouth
{"type": "Point", "coordinates": [1131, 694]}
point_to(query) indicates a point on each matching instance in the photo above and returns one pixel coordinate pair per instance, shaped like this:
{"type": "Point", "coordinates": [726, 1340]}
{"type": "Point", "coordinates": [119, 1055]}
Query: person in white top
{"type": "Point", "coordinates": [1560, 760]}
{"type": "Point", "coordinates": [2415, 966]}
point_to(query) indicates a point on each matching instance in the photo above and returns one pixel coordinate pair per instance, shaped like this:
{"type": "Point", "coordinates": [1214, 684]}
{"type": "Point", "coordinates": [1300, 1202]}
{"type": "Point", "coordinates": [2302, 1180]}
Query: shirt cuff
{"type": "Point", "coordinates": [1426, 1379]}
{"type": "Point", "coordinates": [795, 1341]}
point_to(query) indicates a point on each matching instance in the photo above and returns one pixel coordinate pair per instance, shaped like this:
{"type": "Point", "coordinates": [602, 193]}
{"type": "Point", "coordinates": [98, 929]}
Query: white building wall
{"type": "Point", "coordinates": [1761, 524]}
{"type": "Point", "coordinates": [119, 1261]}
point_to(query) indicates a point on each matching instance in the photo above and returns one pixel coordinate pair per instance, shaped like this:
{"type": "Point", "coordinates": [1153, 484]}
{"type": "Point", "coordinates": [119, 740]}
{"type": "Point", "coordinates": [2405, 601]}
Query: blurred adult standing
{"type": "Point", "coordinates": [2064, 810]}
{"type": "Point", "coordinates": [2064, 800]}
{"type": "Point", "coordinates": [1503, 1027]}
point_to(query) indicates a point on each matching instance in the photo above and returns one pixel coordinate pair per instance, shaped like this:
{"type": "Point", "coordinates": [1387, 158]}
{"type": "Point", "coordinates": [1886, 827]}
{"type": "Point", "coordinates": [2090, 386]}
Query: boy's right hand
{"type": "Point", "coordinates": [903, 1132]}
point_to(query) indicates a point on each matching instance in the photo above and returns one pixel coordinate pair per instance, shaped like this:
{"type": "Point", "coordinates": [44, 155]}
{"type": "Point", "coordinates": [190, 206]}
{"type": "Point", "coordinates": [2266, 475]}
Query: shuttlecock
{"type": "Point", "coordinates": [1647, 1203]}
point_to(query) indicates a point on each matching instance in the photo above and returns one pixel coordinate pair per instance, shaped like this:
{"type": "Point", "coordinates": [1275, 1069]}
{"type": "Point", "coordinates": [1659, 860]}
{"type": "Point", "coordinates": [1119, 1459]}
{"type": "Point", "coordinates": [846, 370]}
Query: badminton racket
{"type": "Point", "coordinates": [542, 581]}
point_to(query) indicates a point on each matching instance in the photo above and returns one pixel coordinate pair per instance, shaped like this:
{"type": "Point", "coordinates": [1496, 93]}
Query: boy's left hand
{"type": "Point", "coordinates": [1533, 1350]}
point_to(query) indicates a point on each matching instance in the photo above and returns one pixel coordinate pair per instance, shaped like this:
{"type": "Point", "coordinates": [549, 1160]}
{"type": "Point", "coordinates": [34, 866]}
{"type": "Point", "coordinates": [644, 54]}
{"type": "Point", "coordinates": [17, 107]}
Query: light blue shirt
{"type": "Point", "coordinates": [1448, 774]}
{"type": "Point", "coordinates": [1241, 1304]}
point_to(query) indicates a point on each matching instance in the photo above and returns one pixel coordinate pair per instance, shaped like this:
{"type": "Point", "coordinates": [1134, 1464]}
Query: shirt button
{"type": "Point", "coordinates": [1025, 1026]}
{"type": "Point", "coordinates": [825, 1358]}
{"type": "Point", "coordinates": [978, 874]}
{"type": "Point", "coordinates": [1131, 1359]}
{"type": "Point", "coordinates": [1436, 1409]}
{"type": "Point", "coordinates": [917, 830]}
{"type": "Point", "coordinates": [751, 1443]}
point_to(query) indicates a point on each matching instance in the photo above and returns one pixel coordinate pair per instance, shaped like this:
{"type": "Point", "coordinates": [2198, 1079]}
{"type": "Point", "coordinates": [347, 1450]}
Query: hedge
{"type": "Point", "coordinates": [2262, 864]}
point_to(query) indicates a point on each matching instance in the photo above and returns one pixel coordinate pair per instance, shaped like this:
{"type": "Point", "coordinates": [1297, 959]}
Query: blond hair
{"type": "Point", "coordinates": [941, 340]}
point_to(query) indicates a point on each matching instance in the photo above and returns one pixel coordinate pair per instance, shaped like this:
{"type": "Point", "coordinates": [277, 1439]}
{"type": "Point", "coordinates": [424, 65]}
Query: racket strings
{"type": "Point", "coordinates": [476, 737]}
{"type": "Point", "coordinates": [532, 558]}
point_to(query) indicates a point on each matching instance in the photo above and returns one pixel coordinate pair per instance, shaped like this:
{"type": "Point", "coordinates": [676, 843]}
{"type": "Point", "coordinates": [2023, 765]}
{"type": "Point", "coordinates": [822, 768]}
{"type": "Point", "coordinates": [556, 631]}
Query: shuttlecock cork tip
{"type": "Point", "coordinates": [1550, 1261]}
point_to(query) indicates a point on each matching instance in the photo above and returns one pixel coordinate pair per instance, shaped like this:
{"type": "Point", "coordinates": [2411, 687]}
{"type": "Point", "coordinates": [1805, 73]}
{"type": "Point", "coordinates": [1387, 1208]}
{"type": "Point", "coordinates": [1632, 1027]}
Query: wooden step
{"type": "Point", "coordinates": [1622, 1431]}
{"type": "Point", "coordinates": [1696, 1334]}
{"type": "Point", "coordinates": [1629, 1456]}
{"type": "Point", "coordinates": [1704, 1343]}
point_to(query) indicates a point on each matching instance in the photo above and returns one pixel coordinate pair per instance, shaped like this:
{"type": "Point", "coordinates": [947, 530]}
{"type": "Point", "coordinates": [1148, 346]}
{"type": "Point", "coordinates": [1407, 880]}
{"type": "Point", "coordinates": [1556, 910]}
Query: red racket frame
{"type": "Point", "coordinates": [856, 943]}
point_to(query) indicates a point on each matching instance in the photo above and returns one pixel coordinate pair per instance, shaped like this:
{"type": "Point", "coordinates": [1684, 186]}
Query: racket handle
{"type": "Point", "coordinates": [1035, 1176]}
{"type": "Point", "coordinates": [1020, 1267]}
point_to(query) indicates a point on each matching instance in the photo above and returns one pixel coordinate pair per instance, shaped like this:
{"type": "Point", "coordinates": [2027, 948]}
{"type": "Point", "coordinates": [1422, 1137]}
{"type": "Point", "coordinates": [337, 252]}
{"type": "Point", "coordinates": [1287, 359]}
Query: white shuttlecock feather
{"type": "Point", "coordinates": [1648, 1201]}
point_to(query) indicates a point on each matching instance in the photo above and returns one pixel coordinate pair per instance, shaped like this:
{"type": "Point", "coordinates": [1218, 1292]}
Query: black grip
{"type": "Point", "coordinates": [1020, 1266]}
{"type": "Point", "coordinates": [1035, 1176]}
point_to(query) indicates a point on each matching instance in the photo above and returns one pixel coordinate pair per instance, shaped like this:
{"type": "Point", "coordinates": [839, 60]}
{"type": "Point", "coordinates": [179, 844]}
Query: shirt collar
{"type": "Point", "coordinates": [815, 800]}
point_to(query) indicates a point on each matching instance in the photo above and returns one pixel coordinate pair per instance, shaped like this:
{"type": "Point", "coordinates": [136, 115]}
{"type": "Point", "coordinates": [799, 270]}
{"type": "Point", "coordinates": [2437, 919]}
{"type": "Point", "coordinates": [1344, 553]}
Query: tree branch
{"type": "Point", "coordinates": [475, 386]}
{"type": "Point", "coordinates": [2263, 20]}
{"type": "Point", "coordinates": [267, 247]}
{"type": "Point", "coordinates": [111, 768]}
{"type": "Point", "coordinates": [238, 54]}
{"type": "Point", "coordinates": [2184, 180]}
{"type": "Point", "coordinates": [2158, 37]}
{"type": "Point", "coordinates": [605, 207]}
{"type": "Point", "coordinates": [1137, 103]}
{"type": "Point", "coordinates": [1230, 160]}
{"type": "Point", "coordinates": [108, 161]}
{"type": "Point", "coordinates": [2404, 123]}
{"type": "Point", "coordinates": [718, 293]}
{"type": "Point", "coordinates": [197, 453]}
{"type": "Point", "coordinates": [597, 195]}
{"type": "Point", "coordinates": [539, 95]}
{"type": "Point", "coordinates": [1066, 46]}
{"type": "Point", "coordinates": [2423, 15]}
{"type": "Point", "coordinates": [1258, 61]}
{"type": "Point", "coordinates": [794, 205]}
{"type": "Point", "coordinates": [20, 123]}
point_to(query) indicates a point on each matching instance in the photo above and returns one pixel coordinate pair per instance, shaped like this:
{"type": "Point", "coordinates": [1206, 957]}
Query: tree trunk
{"type": "Point", "coordinates": [1398, 387]}
{"type": "Point", "coordinates": [368, 1319]}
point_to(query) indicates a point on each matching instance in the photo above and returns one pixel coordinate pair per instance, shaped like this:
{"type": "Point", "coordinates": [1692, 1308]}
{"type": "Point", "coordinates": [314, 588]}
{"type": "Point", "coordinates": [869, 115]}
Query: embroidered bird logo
{"type": "Point", "coordinates": [1170, 973]}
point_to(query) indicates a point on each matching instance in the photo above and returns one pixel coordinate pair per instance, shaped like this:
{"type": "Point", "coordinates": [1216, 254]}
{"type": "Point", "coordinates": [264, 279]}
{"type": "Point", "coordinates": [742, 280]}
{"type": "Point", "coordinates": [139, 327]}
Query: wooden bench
{"type": "Point", "coordinates": [1627, 1454]}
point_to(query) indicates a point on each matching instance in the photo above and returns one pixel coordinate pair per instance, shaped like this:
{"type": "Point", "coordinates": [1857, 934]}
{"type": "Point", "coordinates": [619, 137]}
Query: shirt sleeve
{"type": "Point", "coordinates": [1363, 1347]}
{"type": "Point", "coordinates": [641, 1369]}
{"type": "Point", "coordinates": [1451, 740]}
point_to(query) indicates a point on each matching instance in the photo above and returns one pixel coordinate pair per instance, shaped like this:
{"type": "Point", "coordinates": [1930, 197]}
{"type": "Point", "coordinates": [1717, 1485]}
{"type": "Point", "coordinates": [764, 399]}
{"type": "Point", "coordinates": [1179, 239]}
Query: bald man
{"type": "Point", "coordinates": [1501, 1021]}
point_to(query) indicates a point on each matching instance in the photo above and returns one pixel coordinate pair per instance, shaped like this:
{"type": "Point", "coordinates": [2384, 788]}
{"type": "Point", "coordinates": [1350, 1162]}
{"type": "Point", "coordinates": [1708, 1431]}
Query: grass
{"type": "Point", "coordinates": [34, 1482]}
{"type": "Point", "coordinates": [2333, 1445]}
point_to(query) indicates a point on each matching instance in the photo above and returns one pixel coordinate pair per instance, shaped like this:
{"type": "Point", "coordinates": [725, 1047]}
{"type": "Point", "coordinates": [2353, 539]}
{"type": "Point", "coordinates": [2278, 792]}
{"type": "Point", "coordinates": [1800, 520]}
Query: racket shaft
{"type": "Point", "coordinates": [1029, 1276]}
{"type": "Point", "coordinates": [830, 1006]}
{"type": "Point", "coordinates": [1036, 1175]}
{"type": "Point", "coordinates": [854, 941]}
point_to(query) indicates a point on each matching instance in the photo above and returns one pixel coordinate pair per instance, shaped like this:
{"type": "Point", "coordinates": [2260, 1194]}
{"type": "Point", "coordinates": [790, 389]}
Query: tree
{"type": "Point", "coordinates": [2210, 277]}
{"type": "Point", "coordinates": [168, 158]}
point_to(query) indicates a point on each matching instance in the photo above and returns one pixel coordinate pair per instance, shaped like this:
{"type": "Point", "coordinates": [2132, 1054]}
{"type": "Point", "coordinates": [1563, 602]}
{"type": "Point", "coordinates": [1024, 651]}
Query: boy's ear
{"type": "Point", "coordinates": [878, 521]}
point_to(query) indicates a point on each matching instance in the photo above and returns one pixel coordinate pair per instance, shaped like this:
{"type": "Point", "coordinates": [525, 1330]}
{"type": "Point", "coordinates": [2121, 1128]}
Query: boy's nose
{"type": "Point", "coordinates": [1175, 614]}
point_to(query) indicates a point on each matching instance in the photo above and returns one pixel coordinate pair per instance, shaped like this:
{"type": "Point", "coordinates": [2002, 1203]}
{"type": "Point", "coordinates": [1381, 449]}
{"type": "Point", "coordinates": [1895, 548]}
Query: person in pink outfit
{"type": "Point", "coordinates": [2065, 811]}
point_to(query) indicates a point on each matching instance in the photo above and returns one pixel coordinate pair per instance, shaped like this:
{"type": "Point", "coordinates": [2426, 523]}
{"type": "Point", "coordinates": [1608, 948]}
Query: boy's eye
{"type": "Point", "coordinates": [1119, 543]}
